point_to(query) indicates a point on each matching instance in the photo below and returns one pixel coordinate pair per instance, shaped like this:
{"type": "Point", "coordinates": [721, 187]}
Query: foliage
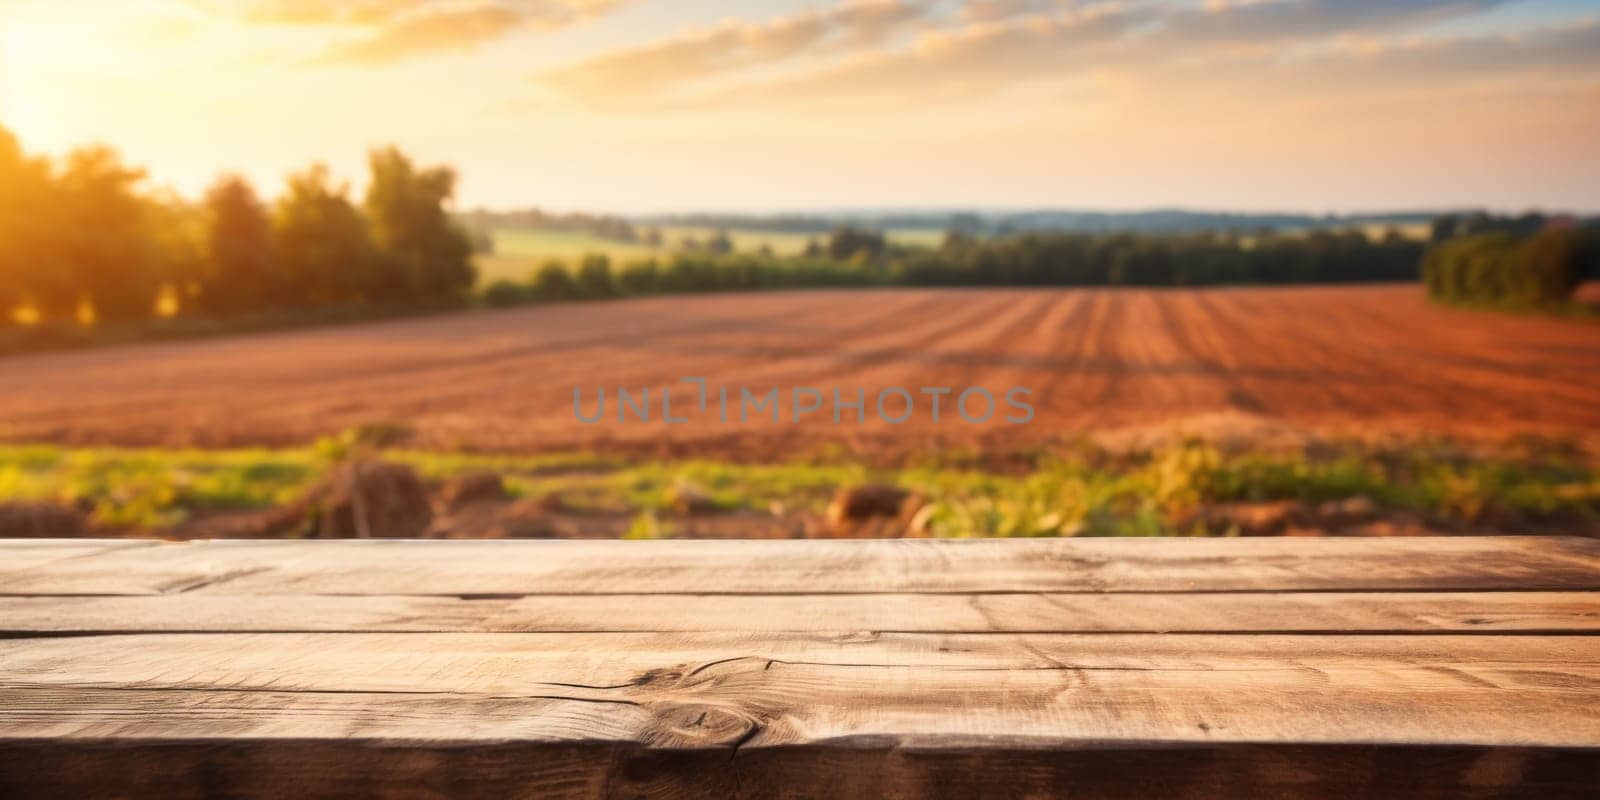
{"type": "Point", "coordinates": [503, 293]}
{"type": "Point", "coordinates": [607, 227]}
{"type": "Point", "coordinates": [84, 241]}
{"type": "Point", "coordinates": [1087, 493]}
{"type": "Point", "coordinates": [594, 277]}
{"type": "Point", "coordinates": [153, 488]}
{"type": "Point", "coordinates": [78, 240]}
{"type": "Point", "coordinates": [324, 247]}
{"type": "Point", "coordinates": [850, 243]}
{"type": "Point", "coordinates": [1500, 268]}
{"type": "Point", "coordinates": [854, 258]}
{"type": "Point", "coordinates": [241, 274]}
{"type": "Point", "coordinates": [553, 282]}
{"type": "Point", "coordinates": [425, 255]}
{"type": "Point", "coordinates": [1126, 259]}
{"type": "Point", "coordinates": [23, 184]}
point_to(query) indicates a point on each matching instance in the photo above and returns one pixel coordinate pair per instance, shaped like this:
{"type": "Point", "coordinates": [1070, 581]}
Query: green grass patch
{"type": "Point", "coordinates": [519, 252]}
{"type": "Point", "coordinates": [1085, 493]}
{"type": "Point", "coordinates": [154, 488]}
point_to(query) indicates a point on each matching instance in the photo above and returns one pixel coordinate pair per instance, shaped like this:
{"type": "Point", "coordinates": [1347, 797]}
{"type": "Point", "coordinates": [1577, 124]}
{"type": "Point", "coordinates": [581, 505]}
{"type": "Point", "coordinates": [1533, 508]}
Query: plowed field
{"type": "Point", "coordinates": [1376, 359]}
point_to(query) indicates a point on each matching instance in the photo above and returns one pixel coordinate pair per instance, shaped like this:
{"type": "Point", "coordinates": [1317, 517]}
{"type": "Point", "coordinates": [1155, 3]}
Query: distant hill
{"type": "Point", "coordinates": [1151, 221]}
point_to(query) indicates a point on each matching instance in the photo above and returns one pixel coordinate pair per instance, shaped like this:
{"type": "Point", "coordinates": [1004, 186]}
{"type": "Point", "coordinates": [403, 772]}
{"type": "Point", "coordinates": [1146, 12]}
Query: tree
{"type": "Point", "coordinates": [482, 240]}
{"type": "Point", "coordinates": [1498, 267]}
{"type": "Point", "coordinates": [179, 231]}
{"type": "Point", "coordinates": [848, 241]}
{"type": "Point", "coordinates": [241, 274]}
{"type": "Point", "coordinates": [110, 253]}
{"type": "Point", "coordinates": [25, 203]}
{"type": "Point", "coordinates": [504, 293]}
{"type": "Point", "coordinates": [1552, 264]}
{"type": "Point", "coordinates": [641, 277]}
{"type": "Point", "coordinates": [553, 282]}
{"type": "Point", "coordinates": [322, 242]}
{"type": "Point", "coordinates": [428, 257]}
{"type": "Point", "coordinates": [720, 244]}
{"type": "Point", "coordinates": [594, 277]}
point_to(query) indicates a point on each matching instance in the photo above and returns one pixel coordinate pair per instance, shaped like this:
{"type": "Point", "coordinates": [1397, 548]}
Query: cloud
{"type": "Point", "coordinates": [992, 46]}
{"type": "Point", "coordinates": [670, 63]}
{"type": "Point", "coordinates": [966, 61]}
{"type": "Point", "coordinates": [428, 32]}
{"type": "Point", "coordinates": [993, 10]}
{"type": "Point", "coordinates": [310, 12]}
{"type": "Point", "coordinates": [988, 60]}
{"type": "Point", "coordinates": [1272, 21]}
{"type": "Point", "coordinates": [386, 31]}
{"type": "Point", "coordinates": [1571, 50]}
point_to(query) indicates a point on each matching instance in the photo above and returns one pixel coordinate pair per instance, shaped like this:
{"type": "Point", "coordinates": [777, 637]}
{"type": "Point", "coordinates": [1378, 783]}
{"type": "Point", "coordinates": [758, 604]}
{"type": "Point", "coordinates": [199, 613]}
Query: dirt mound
{"type": "Point", "coordinates": [471, 488]}
{"type": "Point", "coordinates": [686, 499]}
{"type": "Point", "coordinates": [873, 511]}
{"type": "Point", "coordinates": [860, 503]}
{"type": "Point", "coordinates": [369, 499]}
{"type": "Point", "coordinates": [22, 520]}
{"type": "Point", "coordinates": [523, 519]}
{"type": "Point", "coordinates": [1355, 516]}
{"type": "Point", "coordinates": [1252, 519]}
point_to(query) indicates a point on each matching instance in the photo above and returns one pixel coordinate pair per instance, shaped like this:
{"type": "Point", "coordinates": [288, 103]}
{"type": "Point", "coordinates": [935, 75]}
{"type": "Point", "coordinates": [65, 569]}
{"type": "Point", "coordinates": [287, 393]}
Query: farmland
{"type": "Point", "coordinates": [1101, 364]}
{"type": "Point", "coordinates": [518, 252]}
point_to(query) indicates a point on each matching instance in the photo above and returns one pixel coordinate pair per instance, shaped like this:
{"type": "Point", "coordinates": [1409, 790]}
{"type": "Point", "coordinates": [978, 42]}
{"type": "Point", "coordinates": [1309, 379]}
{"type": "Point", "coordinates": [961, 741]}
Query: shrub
{"type": "Point", "coordinates": [1499, 268]}
{"type": "Point", "coordinates": [553, 282]}
{"type": "Point", "coordinates": [504, 293]}
{"type": "Point", "coordinates": [594, 277]}
{"type": "Point", "coordinates": [640, 278]}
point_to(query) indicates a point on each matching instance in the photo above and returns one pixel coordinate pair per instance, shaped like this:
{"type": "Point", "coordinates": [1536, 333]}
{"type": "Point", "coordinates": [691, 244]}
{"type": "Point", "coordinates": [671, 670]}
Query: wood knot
{"type": "Point", "coordinates": [702, 725]}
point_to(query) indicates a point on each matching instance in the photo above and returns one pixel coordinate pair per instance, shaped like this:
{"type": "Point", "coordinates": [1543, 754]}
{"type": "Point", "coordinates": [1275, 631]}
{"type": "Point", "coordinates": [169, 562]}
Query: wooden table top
{"type": "Point", "coordinates": [1048, 667]}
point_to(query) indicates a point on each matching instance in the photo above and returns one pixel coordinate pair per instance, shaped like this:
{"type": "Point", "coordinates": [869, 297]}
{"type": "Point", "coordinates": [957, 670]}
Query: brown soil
{"type": "Point", "coordinates": [533, 519]}
{"type": "Point", "coordinates": [27, 520]}
{"type": "Point", "coordinates": [1257, 363]}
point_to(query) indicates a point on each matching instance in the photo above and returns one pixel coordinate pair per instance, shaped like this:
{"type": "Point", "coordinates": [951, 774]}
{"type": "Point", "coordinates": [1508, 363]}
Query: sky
{"type": "Point", "coordinates": [790, 105]}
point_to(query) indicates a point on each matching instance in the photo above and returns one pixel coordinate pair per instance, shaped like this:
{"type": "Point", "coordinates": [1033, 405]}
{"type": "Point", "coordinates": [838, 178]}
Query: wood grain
{"type": "Point", "coordinates": [1484, 613]}
{"type": "Point", "coordinates": [477, 568]}
{"type": "Point", "coordinates": [1172, 668]}
{"type": "Point", "coordinates": [794, 690]}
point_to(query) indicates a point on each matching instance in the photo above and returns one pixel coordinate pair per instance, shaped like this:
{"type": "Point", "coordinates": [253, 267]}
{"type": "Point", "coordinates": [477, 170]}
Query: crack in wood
{"type": "Point", "coordinates": [183, 586]}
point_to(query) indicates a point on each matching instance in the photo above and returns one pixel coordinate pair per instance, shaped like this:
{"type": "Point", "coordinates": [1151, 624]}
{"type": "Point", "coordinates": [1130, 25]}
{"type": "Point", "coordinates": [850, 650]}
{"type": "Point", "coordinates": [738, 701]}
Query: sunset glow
{"type": "Point", "coordinates": [645, 105]}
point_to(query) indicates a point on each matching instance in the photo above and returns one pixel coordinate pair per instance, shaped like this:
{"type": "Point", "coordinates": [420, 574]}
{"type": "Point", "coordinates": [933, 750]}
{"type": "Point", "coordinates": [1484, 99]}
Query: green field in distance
{"type": "Point", "coordinates": [518, 252]}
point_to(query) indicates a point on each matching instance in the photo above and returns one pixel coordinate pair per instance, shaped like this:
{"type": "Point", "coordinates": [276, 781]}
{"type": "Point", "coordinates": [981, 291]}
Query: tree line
{"type": "Point", "coordinates": [83, 238]}
{"type": "Point", "coordinates": [1476, 258]}
{"type": "Point", "coordinates": [482, 221]}
{"type": "Point", "coordinates": [856, 257]}
{"type": "Point", "coordinates": [1523, 261]}
{"type": "Point", "coordinates": [1133, 259]}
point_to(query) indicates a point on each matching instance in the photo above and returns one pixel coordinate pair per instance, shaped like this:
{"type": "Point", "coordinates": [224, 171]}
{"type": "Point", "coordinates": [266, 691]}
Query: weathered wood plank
{"type": "Point", "coordinates": [694, 689]}
{"type": "Point", "coordinates": [19, 555]}
{"type": "Point", "coordinates": [801, 705]}
{"type": "Point", "coordinates": [841, 669]}
{"type": "Point", "coordinates": [801, 567]}
{"type": "Point", "coordinates": [1484, 613]}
